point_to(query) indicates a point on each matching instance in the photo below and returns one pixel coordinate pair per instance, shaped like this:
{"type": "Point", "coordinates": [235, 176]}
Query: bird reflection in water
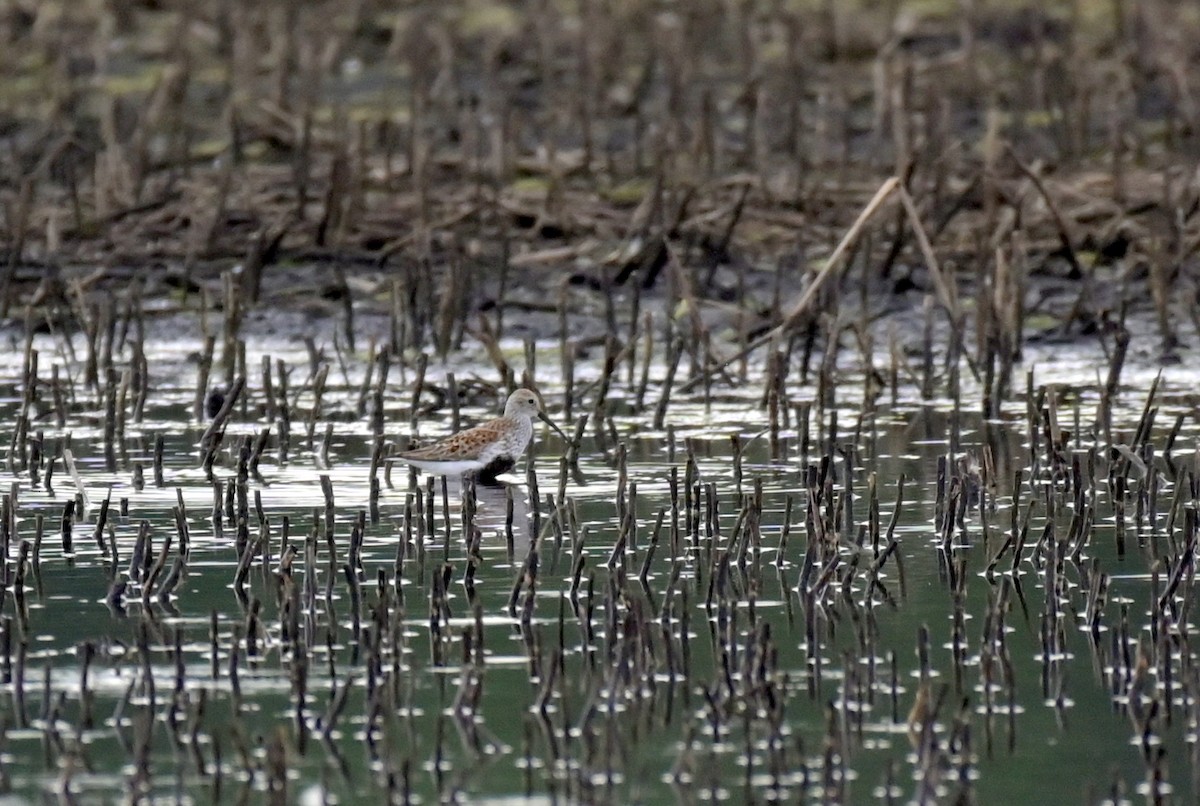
{"type": "Point", "coordinates": [502, 511]}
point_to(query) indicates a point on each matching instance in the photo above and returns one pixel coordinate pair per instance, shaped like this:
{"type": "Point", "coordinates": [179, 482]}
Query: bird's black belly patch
{"type": "Point", "coordinates": [489, 472]}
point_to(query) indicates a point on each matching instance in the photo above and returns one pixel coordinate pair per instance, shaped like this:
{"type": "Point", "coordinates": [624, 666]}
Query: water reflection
{"type": "Point", "coordinates": [502, 516]}
{"type": "Point", "coordinates": [648, 592]}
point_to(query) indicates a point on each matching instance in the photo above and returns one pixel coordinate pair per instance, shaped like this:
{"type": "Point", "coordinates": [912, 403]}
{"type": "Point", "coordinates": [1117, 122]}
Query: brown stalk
{"type": "Point", "coordinates": [798, 309]}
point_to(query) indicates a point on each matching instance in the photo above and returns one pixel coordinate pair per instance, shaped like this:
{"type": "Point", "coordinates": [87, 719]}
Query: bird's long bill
{"type": "Point", "coordinates": [545, 419]}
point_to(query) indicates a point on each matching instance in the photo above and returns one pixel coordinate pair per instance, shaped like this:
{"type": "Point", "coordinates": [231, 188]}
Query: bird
{"type": "Point", "coordinates": [488, 449]}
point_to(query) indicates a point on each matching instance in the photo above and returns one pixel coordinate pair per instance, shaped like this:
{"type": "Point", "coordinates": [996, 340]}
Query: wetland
{"type": "Point", "coordinates": [871, 328]}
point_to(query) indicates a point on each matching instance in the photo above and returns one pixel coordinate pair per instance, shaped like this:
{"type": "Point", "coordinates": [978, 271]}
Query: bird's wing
{"type": "Point", "coordinates": [464, 445]}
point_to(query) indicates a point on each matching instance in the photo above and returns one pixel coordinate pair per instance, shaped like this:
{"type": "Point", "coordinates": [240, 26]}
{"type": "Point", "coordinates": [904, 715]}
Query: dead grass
{"type": "Point", "coordinates": [587, 134]}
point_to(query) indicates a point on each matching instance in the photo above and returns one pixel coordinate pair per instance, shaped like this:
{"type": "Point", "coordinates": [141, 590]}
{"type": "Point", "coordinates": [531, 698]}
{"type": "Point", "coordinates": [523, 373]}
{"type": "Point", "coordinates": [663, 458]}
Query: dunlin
{"type": "Point", "coordinates": [486, 450]}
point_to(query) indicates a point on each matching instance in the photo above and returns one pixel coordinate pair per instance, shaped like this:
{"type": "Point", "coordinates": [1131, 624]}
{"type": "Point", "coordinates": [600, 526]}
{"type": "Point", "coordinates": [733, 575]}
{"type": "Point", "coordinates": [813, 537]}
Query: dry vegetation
{"type": "Point", "coordinates": [601, 141]}
{"type": "Point", "coordinates": [770, 173]}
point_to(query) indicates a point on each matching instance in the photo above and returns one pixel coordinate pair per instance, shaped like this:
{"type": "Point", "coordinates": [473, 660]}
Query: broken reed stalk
{"type": "Point", "coordinates": [798, 309]}
{"type": "Point", "coordinates": [945, 290]}
{"type": "Point", "coordinates": [210, 440]}
{"type": "Point", "coordinates": [1103, 423]}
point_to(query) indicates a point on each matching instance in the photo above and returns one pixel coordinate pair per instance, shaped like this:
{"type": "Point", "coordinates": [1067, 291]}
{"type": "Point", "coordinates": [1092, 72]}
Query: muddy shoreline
{"type": "Point", "coordinates": [476, 161]}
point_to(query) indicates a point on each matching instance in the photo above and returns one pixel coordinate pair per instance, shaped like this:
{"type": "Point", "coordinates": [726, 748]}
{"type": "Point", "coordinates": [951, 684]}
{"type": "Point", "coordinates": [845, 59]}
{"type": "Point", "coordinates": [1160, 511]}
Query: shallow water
{"type": "Point", "coordinates": [711, 680]}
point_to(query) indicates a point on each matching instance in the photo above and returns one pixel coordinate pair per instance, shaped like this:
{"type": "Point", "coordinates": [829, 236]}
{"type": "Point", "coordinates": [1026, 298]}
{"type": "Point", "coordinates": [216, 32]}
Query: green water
{"type": "Point", "coordinates": [619, 726]}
